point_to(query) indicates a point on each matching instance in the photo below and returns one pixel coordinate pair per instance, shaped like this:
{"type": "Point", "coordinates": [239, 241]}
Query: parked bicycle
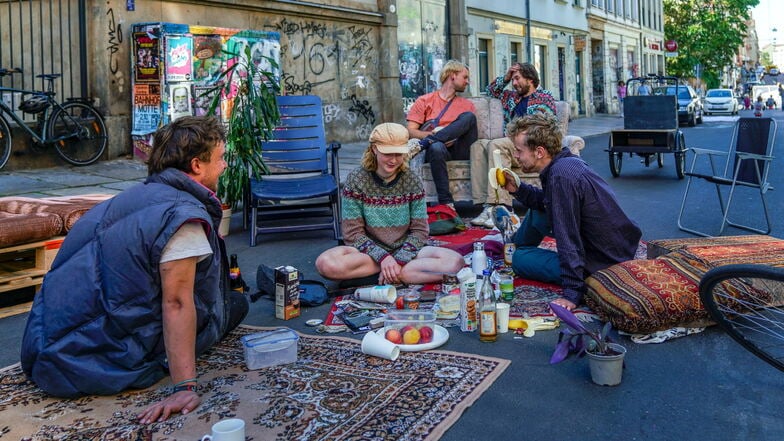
{"type": "Point", "coordinates": [75, 128]}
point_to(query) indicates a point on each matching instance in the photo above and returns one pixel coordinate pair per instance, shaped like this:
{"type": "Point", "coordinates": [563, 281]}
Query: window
{"type": "Point", "coordinates": [484, 47]}
{"type": "Point", "coordinates": [540, 58]}
{"type": "Point", "coordinates": [515, 52]}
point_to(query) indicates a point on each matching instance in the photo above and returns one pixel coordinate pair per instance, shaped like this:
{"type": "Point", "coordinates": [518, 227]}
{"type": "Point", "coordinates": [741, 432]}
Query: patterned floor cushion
{"type": "Point", "coordinates": [69, 208]}
{"type": "Point", "coordinates": [17, 229]}
{"type": "Point", "coordinates": [644, 296]}
{"type": "Point", "coordinates": [660, 247]}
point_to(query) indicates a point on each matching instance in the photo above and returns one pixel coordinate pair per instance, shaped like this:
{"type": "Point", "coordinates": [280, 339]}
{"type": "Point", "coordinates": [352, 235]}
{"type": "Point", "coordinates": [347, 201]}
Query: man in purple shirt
{"type": "Point", "coordinates": [575, 206]}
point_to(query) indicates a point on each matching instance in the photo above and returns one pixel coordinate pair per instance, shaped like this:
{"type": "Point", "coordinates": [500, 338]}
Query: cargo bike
{"type": "Point", "coordinates": [650, 126]}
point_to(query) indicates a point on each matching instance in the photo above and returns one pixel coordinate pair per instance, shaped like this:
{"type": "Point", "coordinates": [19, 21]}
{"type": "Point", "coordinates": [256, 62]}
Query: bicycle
{"type": "Point", "coordinates": [754, 315]}
{"type": "Point", "coordinates": [75, 128]}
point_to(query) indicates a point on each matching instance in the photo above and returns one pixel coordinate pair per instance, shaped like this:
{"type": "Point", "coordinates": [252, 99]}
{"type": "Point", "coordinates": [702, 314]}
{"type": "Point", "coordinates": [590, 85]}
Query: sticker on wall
{"type": "Point", "coordinates": [179, 49]}
{"type": "Point", "coordinates": [146, 61]}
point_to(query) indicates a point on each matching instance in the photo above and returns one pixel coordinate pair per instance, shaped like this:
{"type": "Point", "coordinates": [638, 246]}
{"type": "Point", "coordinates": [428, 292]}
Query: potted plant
{"type": "Point", "coordinates": [605, 357]}
{"type": "Point", "coordinates": [246, 92]}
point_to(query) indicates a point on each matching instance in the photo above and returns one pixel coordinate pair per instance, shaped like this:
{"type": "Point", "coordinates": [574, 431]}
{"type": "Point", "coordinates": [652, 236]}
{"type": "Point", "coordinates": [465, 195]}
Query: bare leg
{"type": "Point", "coordinates": [343, 263]}
{"type": "Point", "coordinates": [429, 265]}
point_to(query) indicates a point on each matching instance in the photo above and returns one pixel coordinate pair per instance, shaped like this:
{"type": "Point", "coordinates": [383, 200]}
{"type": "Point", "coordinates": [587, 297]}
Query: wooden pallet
{"type": "Point", "coordinates": [25, 265]}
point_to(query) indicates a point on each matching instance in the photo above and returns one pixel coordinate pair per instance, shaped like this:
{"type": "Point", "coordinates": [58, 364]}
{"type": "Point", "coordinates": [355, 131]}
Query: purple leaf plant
{"type": "Point", "coordinates": [577, 339]}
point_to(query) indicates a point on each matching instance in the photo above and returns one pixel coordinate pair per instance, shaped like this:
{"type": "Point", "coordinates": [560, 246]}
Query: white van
{"type": "Point", "coordinates": [766, 91]}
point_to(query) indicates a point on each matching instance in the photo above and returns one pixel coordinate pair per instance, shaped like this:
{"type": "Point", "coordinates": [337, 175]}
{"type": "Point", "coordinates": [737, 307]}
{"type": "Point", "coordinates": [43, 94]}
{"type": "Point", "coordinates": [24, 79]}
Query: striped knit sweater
{"type": "Point", "coordinates": [380, 218]}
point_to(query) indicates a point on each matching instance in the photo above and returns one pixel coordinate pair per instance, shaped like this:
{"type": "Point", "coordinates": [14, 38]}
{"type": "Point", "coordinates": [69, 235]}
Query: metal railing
{"type": "Point", "coordinates": [43, 36]}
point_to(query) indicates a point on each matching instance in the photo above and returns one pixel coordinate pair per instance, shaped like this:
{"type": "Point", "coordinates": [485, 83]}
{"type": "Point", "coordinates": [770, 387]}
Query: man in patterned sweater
{"type": "Point", "coordinates": [524, 98]}
{"type": "Point", "coordinates": [385, 220]}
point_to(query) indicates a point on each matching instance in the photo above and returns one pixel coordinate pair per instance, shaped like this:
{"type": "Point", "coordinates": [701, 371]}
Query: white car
{"type": "Point", "coordinates": [720, 101]}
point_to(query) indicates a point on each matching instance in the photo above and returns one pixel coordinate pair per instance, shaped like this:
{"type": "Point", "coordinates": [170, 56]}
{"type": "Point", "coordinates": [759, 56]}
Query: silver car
{"type": "Point", "coordinates": [720, 101]}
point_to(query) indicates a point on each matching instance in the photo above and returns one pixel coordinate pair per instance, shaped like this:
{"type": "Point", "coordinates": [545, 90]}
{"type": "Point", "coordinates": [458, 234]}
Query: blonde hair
{"type": "Point", "coordinates": [451, 67]}
{"type": "Point", "coordinates": [541, 129]}
{"type": "Point", "coordinates": [370, 163]}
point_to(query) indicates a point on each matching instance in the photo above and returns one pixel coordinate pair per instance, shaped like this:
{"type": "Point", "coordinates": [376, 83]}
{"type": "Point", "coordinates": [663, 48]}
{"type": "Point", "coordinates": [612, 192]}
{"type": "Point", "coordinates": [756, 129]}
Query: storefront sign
{"type": "Point", "coordinates": [579, 42]}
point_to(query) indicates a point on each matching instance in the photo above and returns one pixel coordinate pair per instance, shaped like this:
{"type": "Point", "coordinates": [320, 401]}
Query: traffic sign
{"type": "Point", "coordinates": [671, 45]}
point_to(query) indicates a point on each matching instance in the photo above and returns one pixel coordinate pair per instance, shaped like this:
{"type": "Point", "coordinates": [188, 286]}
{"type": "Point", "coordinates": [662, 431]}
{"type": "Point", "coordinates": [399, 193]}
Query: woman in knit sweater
{"type": "Point", "coordinates": [385, 220]}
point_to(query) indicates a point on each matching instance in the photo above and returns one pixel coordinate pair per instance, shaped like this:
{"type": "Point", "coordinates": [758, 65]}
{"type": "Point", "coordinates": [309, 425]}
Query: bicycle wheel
{"type": "Point", "coordinates": [5, 142]}
{"type": "Point", "coordinates": [753, 316]}
{"type": "Point", "coordinates": [78, 133]}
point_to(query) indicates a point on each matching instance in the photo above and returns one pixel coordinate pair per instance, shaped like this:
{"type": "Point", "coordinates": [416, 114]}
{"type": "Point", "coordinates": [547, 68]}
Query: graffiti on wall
{"type": "Point", "coordinates": [114, 46]}
{"type": "Point", "coordinates": [338, 62]}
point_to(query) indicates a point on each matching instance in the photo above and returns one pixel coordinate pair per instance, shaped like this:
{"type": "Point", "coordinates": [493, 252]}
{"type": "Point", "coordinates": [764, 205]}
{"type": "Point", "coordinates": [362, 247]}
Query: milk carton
{"type": "Point", "coordinates": [286, 292]}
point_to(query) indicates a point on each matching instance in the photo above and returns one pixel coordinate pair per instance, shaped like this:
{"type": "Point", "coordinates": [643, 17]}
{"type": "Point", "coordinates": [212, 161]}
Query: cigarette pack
{"type": "Point", "coordinates": [286, 292]}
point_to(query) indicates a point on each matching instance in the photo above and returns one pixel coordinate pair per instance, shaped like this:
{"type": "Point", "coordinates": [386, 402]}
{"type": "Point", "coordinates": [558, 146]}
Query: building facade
{"type": "Point", "coordinates": [550, 35]}
{"type": "Point", "coordinates": [367, 59]}
{"type": "Point", "coordinates": [626, 41]}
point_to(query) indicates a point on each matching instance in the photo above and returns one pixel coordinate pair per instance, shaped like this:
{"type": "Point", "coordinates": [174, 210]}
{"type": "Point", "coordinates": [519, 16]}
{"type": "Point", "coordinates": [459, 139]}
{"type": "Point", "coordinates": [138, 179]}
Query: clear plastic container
{"type": "Point", "coordinates": [417, 318]}
{"type": "Point", "coordinates": [270, 348]}
{"type": "Point", "coordinates": [400, 322]}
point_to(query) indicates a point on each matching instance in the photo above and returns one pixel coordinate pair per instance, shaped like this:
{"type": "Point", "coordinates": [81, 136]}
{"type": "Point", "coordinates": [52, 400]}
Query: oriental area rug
{"type": "Point", "coordinates": [332, 392]}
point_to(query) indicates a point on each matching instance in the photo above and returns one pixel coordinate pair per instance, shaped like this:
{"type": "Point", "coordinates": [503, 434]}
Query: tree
{"type": "Point", "coordinates": [708, 32]}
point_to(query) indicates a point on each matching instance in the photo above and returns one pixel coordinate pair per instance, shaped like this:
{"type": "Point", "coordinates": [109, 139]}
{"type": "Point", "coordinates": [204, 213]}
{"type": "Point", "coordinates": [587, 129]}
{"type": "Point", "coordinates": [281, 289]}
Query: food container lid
{"type": "Point", "coordinates": [270, 340]}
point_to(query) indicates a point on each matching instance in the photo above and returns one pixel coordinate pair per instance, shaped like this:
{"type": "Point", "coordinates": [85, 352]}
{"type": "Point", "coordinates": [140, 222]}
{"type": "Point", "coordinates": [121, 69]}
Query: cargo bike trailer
{"type": "Point", "coordinates": [650, 126]}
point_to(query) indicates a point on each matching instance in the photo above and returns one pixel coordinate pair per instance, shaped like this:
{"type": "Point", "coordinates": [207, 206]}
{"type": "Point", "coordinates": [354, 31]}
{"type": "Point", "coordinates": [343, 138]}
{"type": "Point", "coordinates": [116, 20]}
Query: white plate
{"type": "Point", "coordinates": [440, 336]}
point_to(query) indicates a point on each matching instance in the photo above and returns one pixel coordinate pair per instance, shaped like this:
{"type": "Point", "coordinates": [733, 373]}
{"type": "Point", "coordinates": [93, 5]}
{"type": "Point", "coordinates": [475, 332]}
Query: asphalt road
{"type": "Point", "coordinates": [702, 387]}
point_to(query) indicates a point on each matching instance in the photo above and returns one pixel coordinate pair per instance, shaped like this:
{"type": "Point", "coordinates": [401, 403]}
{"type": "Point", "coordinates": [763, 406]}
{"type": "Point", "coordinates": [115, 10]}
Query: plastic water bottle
{"type": "Point", "coordinates": [478, 259]}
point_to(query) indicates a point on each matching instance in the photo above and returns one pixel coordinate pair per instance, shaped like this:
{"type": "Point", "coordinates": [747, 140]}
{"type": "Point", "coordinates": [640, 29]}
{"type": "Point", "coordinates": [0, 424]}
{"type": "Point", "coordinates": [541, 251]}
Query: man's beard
{"type": "Point", "coordinates": [524, 89]}
{"type": "Point", "coordinates": [460, 89]}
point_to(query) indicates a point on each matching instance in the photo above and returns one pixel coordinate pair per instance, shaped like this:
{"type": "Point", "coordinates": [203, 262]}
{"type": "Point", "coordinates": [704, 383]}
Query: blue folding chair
{"type": "Point", "coordinates": [301, 192]}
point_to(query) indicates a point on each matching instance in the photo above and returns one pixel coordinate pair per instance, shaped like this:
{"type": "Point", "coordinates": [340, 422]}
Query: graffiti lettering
{"type": "Point", "coordinates": [115, 40]}
{"type": "Point", "coordinates": [363, 109]}
{"type": "Point", "coordinates": [338, 62]}
{"type": "Point", "coordinates": [331, 113]}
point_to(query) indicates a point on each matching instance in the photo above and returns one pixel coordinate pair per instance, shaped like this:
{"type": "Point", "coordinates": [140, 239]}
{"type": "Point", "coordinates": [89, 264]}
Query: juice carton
{"type": "Point", "coordinates": [286, 292]}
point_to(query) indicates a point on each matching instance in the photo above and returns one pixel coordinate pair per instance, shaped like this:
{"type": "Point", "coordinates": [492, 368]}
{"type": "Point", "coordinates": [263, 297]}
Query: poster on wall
{"type": "Point", "coordinates": [180, 100]}
{"type": "Point", "coordinates": [207, 58]}
{"type": "Point", "coordinates": [146, 52]}
{"type": "Point", "coordinates": [179, 49]}
{"type": "Point", "coordinates": [146, 108]}
{"type": "Point", "coordinates": [202, 99]}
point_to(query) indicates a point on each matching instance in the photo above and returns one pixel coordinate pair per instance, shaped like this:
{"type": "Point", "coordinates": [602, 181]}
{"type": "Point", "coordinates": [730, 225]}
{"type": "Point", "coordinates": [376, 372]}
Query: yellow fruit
{"type": "Point", "coordinates": [411, 337]}
{"type": "Point", "coordinates": [500, 177]}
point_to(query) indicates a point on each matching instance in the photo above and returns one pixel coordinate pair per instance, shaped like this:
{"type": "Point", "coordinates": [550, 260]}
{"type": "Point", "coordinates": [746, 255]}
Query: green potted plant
{"type": "Point", "coordinates": [605, 358]}
{"type": "Point", "coordinates": [253, 116]}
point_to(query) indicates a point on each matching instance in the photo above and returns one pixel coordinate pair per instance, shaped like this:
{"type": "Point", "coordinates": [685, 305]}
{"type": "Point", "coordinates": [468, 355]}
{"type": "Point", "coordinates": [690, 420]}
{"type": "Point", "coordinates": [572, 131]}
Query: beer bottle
{"type": "Point", "coordinates": [235, 278]}
{"type": "Point", "coordinates": [487, 312]}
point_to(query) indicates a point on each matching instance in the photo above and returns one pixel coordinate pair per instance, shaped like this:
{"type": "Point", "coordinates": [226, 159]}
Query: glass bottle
{"type": "Point", "coordinates": [478, 259]}
{"type": "Point", "coordinates": [487, 312]}
{"type": "Point", "coordinates": [235, 278]}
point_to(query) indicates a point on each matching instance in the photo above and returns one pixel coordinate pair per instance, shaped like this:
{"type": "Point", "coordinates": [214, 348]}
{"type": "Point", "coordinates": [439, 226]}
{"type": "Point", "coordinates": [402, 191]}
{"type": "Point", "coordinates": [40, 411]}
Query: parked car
{"type": "Point", "coordinates": [689, 104]}
{"type": "Point", "coordinates": [774, 71]}
{"type": "Point", "coordinates": [720, 101]}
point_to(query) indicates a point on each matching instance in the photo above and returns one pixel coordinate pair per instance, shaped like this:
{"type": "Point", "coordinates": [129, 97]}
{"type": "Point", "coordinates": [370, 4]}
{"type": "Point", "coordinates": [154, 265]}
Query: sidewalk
{"type": "Point", "coordinates": [114, 176]}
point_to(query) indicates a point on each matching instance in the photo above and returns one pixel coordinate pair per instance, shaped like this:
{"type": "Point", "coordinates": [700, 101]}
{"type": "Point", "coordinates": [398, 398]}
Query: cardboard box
{"type": "Point", "coordinates": [469, 306]}
{"type": "Point", "coordinates": [286, 292]}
